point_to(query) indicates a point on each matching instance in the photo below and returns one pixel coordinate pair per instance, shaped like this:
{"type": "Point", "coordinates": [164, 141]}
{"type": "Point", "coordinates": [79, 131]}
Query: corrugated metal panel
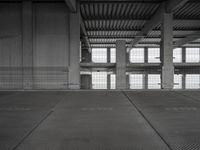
{"type": "Point", "coordinates": [102, 45]}
{"type": "Point", "coordinates": [109, 40]}
{"type": "Point", "coordinates": [112, 33]}
{"type": "Point", "coordinates": [113, 45]}
{"type": "Point", "coordinates": [175, 33]}
{"type": "Point", "coordinates": [147, 45]}
{"type": "Point", "coordinates": [155, 40]}
{"type": "Point", "coordinates": [189, 11]}
{"type": "Point", "coordinates": [118, 33]}
{"type": "Point", "coordinates": [187, 24]}
{"type": "Point", "coordinates": [118, 10]}
{"type": "Point", "coordinates": [106, 22]}
{"type": "Point", "coordinates": [114, 24]}
{"type": "Point", "coordinates": [113, 40]}
{"type": "Point", "coordinates": [154, 32]}
{"type": "Point", "coordinates": [183, 33]}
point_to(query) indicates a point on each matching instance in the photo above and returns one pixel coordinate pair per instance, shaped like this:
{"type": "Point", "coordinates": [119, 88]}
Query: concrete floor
{"type": "Point", "coordinates": [99, 120]}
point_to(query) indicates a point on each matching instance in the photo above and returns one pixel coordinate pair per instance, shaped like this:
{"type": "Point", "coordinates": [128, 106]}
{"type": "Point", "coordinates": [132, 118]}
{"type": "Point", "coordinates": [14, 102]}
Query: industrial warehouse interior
{"type": "Point", "coordinates": [99, 75]}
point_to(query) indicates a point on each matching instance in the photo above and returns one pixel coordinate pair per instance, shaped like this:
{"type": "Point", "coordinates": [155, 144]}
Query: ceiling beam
{"type": "Point", "coordinates": [137, 30]}
{"type": "Point", "coordinates": [188, 39]}
{"type": "Point", "coordinates": [155, 20]}
{"type": "Point", "coordinates": [155, 43]}
{"type": "Point", "coordinates": [121, 1]}
{"type": "Point", "coordinates": [85, 36]}
{"type": "Point", "coordinates": [137, 19]}
{"type": "Point", "coordinates": [128, 37]}
{"type": "Point", "coordinates": [71, 5]}
{"type": "Point", "coordinates": [170, 6]}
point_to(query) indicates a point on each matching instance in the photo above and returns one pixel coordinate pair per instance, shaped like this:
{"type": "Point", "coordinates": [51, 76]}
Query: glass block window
{"type": "Point", "coordinates": [113, 55]}
{"type": "Point", "coordinates": [136, 55]}
{"type": "Point", "coordinates": [154, 81]}
{"type": "Point", "coordinates": [177, 55]}
{"type": "Point", "coordinates": [154, 55]}
{"type": "Point", "coordinates": [178, 81]}
{"type": "Point", "coordinates": [192, 55]}
{"type": "Point", "coordinates": [99, 55]}
{"type": "Point", "coordinates": [112, 81]}
{"type": "Point", "coordinates": [99, 80]}
{"type": "Point", "coordinates": [136, 81]}
{"type": "Point", "coordinates": [192, 81]}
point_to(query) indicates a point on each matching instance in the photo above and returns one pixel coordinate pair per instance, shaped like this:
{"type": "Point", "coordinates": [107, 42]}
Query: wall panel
{"type": "Point", "coordinates": [10, 46]}
{"type": "Point", "coordinates": [51, 45]}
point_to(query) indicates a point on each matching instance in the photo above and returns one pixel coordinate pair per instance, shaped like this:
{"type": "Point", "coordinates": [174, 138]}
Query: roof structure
{"type": "Point", "coordinates": [106, 21]}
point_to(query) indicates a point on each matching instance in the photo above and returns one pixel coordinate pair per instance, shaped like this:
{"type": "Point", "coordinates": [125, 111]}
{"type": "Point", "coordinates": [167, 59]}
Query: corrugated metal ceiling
{"type": "Point", "coordinates": [113, 20]}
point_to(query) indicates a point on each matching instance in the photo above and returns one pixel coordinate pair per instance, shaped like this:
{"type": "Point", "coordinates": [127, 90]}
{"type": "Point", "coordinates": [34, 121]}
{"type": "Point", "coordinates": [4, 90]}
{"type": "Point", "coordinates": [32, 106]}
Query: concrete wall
{"type": "Point", "coordinates": [50, 44]}
{"type": "Point", "coordinates": [10, 46]}
{"type": "Point", "coordinates": [51, 35]}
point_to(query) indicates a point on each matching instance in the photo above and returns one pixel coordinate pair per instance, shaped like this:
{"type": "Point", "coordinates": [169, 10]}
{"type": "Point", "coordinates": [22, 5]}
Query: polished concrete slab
{"type": "Point", "coordinates": [20, 113]}
{"type": "Point", "coordinates": [79, 121]}
{"type": "Point", "coordinates": [192, 95]}
{"type": "Point", "coordinates": [100, 120]}
{"type": "Point", "coordinates": [173, 115]}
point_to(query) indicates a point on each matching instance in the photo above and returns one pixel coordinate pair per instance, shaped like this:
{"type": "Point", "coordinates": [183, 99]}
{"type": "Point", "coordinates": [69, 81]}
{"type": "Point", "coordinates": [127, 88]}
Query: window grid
{"type": "Point", "coordinates": [136, 55]}
{"type": "Point", "coordinates": [154, 55]}
{"type": "Point", "coordinates": [113, 55]}
{"type": "Point", "coordinates": [99, 55]}
{"type": "Point", "coordinates": [136, 81]}
{"type": "Point", "coordinates": [99, 80]}
{"type": "Point", "coordinates": [192, 81]}
{"type": "Point", "coordinates": [154, 81]}
{"type": "Point", "coordinates": [192, 55]}
{"type": "Point", "coordinates": [177, 55]}
{"type": "Point", "coordinates": [112, 81]}
{"type": "Point", "coordinates": [178, 81]}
